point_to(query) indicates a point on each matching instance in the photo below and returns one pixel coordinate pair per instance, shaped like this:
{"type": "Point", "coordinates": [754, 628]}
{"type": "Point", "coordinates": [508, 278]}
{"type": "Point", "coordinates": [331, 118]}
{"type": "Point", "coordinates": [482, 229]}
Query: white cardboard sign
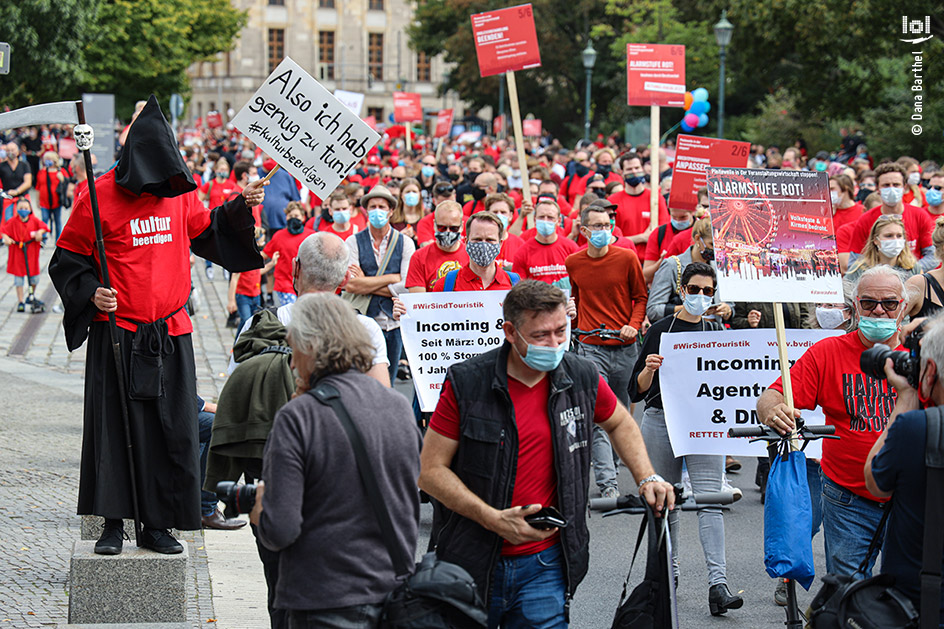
{"type": "Point", "coordinates": [352, 100]}
{"type": "Point", "coordinates": [305, 129]}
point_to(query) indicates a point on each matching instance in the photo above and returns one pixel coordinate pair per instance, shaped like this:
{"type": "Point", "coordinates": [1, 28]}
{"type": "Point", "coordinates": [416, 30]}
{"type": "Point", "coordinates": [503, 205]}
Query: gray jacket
{"type": "Point", "coordinates": [663, 294]}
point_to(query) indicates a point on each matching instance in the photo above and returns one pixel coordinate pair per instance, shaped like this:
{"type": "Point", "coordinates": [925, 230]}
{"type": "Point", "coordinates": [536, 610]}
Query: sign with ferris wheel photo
{"type": "Point", "coordinates": [773, 236]}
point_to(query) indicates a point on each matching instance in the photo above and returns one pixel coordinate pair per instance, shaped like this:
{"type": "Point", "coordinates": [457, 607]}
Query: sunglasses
{"type": "Point", "coordinates": [449, 228]}
{"type": "Point", "coordinates": [888, 305]}
{"type": "Point", "coordinates": [707, 291]}
{"type": "Point", "coordinates": [444, 190]}
{"type": "Point", "coordinates": [938, 188]}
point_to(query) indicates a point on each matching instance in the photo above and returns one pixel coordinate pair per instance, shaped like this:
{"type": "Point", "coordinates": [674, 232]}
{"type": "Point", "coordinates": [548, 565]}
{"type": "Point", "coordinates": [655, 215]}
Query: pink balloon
{"type": "Point", "coordinates": [691, 120]}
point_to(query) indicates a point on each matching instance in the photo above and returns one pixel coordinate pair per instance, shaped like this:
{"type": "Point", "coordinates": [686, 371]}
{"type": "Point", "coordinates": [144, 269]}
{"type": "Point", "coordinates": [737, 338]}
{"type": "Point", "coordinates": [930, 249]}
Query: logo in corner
{"type": "Point", "coordinates": [916, 27]}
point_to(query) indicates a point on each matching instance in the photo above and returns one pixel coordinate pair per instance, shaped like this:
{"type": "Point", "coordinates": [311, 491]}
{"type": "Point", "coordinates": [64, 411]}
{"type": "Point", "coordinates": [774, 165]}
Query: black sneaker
{"type": "Point", "coordinates": [113, 532]}
{"type": "Point", "coordinates": [160, 541]}
{"type": "Point", "coordinates": [20, 307]}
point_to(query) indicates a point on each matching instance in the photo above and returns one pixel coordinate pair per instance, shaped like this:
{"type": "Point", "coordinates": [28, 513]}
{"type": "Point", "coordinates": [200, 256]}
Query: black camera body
{"type": "Point", "coordinates": [906, 364]}
{"type": "Point", "coordinates": [237, 498]}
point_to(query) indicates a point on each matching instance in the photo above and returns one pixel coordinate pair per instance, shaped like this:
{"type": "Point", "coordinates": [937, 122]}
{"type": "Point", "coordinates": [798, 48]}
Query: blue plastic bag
{"type": "Point", "coordinates": [788, 521]}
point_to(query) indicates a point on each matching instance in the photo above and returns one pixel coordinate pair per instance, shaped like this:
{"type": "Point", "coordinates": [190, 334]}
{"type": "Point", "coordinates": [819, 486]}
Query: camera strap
{"type": "Point", "coordinates": [933, 544]}
{"type": "Point", "coordinates": [329, 395]}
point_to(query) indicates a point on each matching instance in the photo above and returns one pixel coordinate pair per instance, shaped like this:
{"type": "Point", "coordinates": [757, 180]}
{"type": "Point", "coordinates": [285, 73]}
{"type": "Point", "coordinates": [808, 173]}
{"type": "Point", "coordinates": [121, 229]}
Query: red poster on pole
{"type": "Point", "coordinates": [406, 107]}
{"type": "Point", "coordinates": [693, 156]}
{"type": "Point", "coordinates": [443, 123]}
{"type": "Point", "coordinates": [505, 40]}
{"type": "Point", "coordinates": [214, 120]}
{"type": "Point", "coordinates": [498, 125]}
{"type": "Point", "coordinates": [531, 127]}
{"type": "Point", "coordinates": [655, 75]}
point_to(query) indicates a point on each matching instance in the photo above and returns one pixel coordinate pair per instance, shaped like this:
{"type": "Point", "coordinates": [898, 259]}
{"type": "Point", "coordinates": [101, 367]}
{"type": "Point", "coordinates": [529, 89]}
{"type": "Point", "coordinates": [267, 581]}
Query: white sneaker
{"type": "Point", "coordinates": [687, 482]}
{"type": "Point", "coordinates": [610, 492]}
{"type": "Point", "coordinates": [726, 486]}
{"type": "Point", "coordinates": [210, 273]}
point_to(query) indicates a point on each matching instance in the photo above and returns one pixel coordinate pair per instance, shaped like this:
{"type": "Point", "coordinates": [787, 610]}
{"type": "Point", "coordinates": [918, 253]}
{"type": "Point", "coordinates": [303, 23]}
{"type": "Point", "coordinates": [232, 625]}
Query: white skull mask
{"type": "Point", "coordinates": [84, 137]}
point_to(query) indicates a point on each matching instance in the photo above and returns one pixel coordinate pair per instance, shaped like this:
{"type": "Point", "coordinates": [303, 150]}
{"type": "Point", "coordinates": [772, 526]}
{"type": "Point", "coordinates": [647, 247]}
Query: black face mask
{"type": "Point", "coordinates": [326, 215]}
{"type": "Point", "coordinates": [294, 226]}
{"type": "Point", "coordinates": [862, 194]}
{"type": "Point", "coordinates": [454, 176]}
{"type": "Point", "coordinates": [478, 194]}
{"type": "Point", "coordinates": [634, 180]}
{"type": "Point", "coordinates": [600, 192]}
{"type": "Point", "coordinates": [708, 254]}
{"type": "Point", "coordinates": [604, 170]}
{"type": "Point", "coordinates": [580, 170]}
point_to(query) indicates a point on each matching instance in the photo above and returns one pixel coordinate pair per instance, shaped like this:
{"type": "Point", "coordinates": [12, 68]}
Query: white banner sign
{"type": "Point", "coordinates": [440, 329]}
{"type": "Point", "coordinates": [305, 129]}
{"type": "Point", "coordinates": [711, 381]}
{"type": "Point", "coordinates": [352, 100]}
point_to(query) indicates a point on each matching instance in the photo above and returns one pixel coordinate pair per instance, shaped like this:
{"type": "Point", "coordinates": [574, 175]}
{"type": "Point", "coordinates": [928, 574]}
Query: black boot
{"type": "Point", "coordinates": [721, 600]}
{"type": "Point", "coordinates": [113, 532]}
{"type": "Point", "coordinates": [160, 541]}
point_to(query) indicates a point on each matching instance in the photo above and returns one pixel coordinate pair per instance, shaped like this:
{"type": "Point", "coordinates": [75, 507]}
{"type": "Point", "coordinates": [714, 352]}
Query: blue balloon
{"type": "Point", "coordinates": [702, 120]}
{"type": "Point", "coordinates": [707, 105]}
{"type": "Point", "coordinates": [698, 107]}
{"type": "Point", "coordinates": [699, 94]}
{"type": "Point", "coordinates": [686, 128]}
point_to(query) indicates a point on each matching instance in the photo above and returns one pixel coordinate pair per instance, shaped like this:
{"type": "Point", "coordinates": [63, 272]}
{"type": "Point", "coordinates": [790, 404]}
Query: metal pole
{"type": "Point", "coordinates": [501, 104]}
{"type": "Point", "coordinates": [721, 97]}
{"type": "Point", "coordinates": [586, 107]}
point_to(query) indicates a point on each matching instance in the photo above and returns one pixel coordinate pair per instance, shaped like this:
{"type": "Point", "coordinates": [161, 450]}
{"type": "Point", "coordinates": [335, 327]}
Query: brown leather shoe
{"type": "Point", "coordinates": [216, 521]}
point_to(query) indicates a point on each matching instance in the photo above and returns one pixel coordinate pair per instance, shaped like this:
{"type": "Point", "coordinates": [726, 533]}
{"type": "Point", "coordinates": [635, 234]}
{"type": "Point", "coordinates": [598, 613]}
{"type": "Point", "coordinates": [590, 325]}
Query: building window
{"type": "Point", "coordinates": [423, 71]}
{"type": "Point", "coordinates": [326, 4]}
{"type": "Point", "coordinates": [326, 53]}
{"type": "Point", "coordinates": [375, 55]}
{"type": "Point", "coordinates": [276, 3]}
{"type": "Point", "coordinates": [375, 5]}
{"type": "Point", "coordinates": [276, 47]}
{"type": "Point", "coordinates": [376, 112]}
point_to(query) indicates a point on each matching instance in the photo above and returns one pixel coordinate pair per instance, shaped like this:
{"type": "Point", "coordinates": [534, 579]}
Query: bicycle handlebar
{"type": "Point", "coordinates": [634, 504]}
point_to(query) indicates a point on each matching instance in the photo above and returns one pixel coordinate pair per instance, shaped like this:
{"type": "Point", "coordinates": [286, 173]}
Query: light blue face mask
{"type": "Point", "coordinates": [341, 217]}
{"type": "Point", "coordinates": [378, 218]}
{"type": "Point", "coordinates": [542, 358]}
{"type": "Point", "coordinates": [600, 238]}
{"type": "Point", "coordinates": [934, 197]}
{"type": "Point", "coordinates": [680, 225]}
{"type": "Point", "coordinates": [545, 228]}
{"type": "Point", "coordinates": [503, 219]}
{"type": "Point", "coordinates": [411, 198]}
{"type": "Point", "coordinates": [697, 304]}
{"type": "Point", "coordinates": [428, 171]}
{"type": "Point", "coordinates": [878, 329]}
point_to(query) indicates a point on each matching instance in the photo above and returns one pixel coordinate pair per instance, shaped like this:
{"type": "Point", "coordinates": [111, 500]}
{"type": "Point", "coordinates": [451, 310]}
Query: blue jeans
{"type": "Point", "coordinates": [246, 306]}
{"type": "Point", "coordinates": [353, 617]}
{"type": "Point", "coordinates": [849, 522]}
{"type": "Point", "coordinates": [53, 219]}
{"type": "Point", "coordinates": [528, 592]}
{"type": "Point", "coordinates": [394, 349]}
{"type": "Point", "coordinates": [208, 499]}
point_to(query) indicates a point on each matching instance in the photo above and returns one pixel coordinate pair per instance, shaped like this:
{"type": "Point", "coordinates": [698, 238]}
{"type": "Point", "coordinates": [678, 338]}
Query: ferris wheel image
{"type": "Point", "coordinates": [750, 222]}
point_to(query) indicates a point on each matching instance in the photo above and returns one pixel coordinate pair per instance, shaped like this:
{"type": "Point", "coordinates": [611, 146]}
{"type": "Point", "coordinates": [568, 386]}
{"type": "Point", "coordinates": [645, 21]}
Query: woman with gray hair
{"type": "Point", "coordinates": [313, 504]}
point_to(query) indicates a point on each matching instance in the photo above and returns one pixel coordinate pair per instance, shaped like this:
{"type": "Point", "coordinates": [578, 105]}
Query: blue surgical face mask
{"type": "Point", "coordinates": [599, 238]}
{"type": "Point", "coordinates": [934, 197]}
{"type": "Point", "coordinates": [378, 218]}
{"type": "Point", "coordinates": [542, 358]}
{"type": "Point", "coordinates": [697, 304]}
{"type": "Point", "coordinates": [428, 171]}
{"type": "Point", "coordinates": [341, 216]}
{"type": "Point", "coordinates": [48, 163]}
{"type": "Point", "coordinates": [411, 198]}
{"type": "Point", "coordinates": [680, 225]}
{"type": "Point", "coordinates": [545, 228]}
{"type": "Point", "coordinates": [503, 219]}
{"type": "Point", "coordinates": [24, 213]}
{"type": "Point", "coordinates": [878, 329]}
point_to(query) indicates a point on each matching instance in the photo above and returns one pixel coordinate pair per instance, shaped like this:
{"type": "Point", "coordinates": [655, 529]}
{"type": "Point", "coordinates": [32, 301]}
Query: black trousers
{"type": "Point", "coordinates": [278, 618]}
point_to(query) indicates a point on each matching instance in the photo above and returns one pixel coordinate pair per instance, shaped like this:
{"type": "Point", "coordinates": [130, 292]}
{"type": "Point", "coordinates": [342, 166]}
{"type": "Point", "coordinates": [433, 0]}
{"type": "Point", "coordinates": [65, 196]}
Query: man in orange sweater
{"type": "Point", "coordinates": [610, 292]}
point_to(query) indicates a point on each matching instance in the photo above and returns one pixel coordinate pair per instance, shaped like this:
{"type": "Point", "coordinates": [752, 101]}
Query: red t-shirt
{"type": "Point", "coordinates": [249, 283]}
{"type": "Point", "coordinates": [632, 213]}
{"type": "Point", "coordinates": [509, 249]}
{"type": "Point", "coordinates": [537, 261]}
{"type": "Point", "coordinates": [844, 238]}
{"type": "Point", "coordinates": [680, 243]}
{"type": "Point", "coordinates": [535, 480]}
{"type": "Point", "coordinates": [828, 375]}
{"type": "Point", "coordinates": [934, 217]}
{"type": "Point", "coordinates": [563, 232]}
{"type": "Point", "coordinates": [357, 221]}
{"type": "Point", "coordinates": [471, 208]}
{"type": "Point", "coordinates": [47, 183]}
{"type": "Point", "coordinates": [431, 263]}
{"type": "Point", "coordinates": [849, 215]}
{"type": "Point", "coordinates": [426, 230]}
{"type": "Point", "coordinates": [21, 231]}
{"type": "Point", "coordinates": [219, 192]}
{"type": "Point", "coordinates": [466, 279]}
{"type": "Point", "coordinates": [918, 228]}
{"type": "Point", "coordinates": [654, 250]}
{"type": "Point", "coordinates": [147, 241]}
{"type": "Point", "coordinates": [287, 245]}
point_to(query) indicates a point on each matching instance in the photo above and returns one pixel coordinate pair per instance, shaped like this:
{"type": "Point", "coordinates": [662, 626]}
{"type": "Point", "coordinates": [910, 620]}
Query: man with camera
{"type": "Point", "coordinates": [896, 464]}
{"type": "Point", "coordinates": [858, 402]}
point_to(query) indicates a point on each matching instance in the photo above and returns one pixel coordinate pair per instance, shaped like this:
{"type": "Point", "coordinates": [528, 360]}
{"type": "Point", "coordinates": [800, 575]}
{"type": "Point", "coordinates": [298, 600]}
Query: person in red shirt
{"type": "Point", "coordinates": [286, 241]}
{"type": "Point", "coordinates": [918, 224]}
{"type": "Point", "coordinates": [484, 185]}
{"type": "Point", "coordinates": [485, 231]}
{"type": "Point", "coordinates": [501, 205]}
{"type": "Point", "coordinates": [683, 240]}
{"type": "Point", "coordinates": [220, 188]}
{"type": "Point", "coordinates": [24, 230]}
{"type": "Point", "coordinates": [549, 186]}
{"type": "Point", "coordinates": [48, 179]}
{"type": "Point", "coordinates": [632, 203]}
{"type": "Point", "coordinates": [842, 195]}
{"type": "Point", "coordinates": [661, 238]}
{"type": "Point", "coordinates": [430, 264]}
{"type": "Point", "coordinates": [859, 405]}
{"type": "Point", "coordinates": [575, 184]}
{"type": "Point", "coordinates": [542, 258]}
{"type": "Point", "coordinates": [425, 230]}
{"type": "Point", "coordinates": [345, 222]}
{"type": "Point", "coordinates": [245, 291]}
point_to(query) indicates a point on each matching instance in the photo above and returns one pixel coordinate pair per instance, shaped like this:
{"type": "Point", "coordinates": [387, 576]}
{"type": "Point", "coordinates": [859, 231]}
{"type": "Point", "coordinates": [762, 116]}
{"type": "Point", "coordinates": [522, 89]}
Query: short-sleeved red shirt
{"type": "Point", "coordinates": [632, 213]}
{"type": "Point", "coordinates": [509, 249]}
{"type": "Point", "coordinates": [466, 279]}
{"type": "Point", "coordinates": [287, 245]}
{"type": "Point", "coordinates": [535, 480]}
{"type": "Point", "coordinates": [545, 263]}
{"type": "Point", "coordinates": [918, 228]}
{"type": "Point", "coordinates": [47, 183]}
{"type": "Point", "coordinates": [431, 263]}
{"type": "Point", "coordinates": [844, 238]}
{"type": "Point", "coordinates": [220, 191]}
{"type": "Point", "coordinates": [654, 249]}
{"type": "Point", "coordinates": [249, 283]}
{"type": "Point", "coordinates": [21, 231]}
{"type": "Point", "coordinates": [828, 375]}
{"type": "Point", "coordinates": [849, 215]}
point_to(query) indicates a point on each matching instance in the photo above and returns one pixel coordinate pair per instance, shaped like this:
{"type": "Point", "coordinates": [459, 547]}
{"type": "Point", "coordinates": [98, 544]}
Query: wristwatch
{"type": "Point", "coordinates": [655, 478]}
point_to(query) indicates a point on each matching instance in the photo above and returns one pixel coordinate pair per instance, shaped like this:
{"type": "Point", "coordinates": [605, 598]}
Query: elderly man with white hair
{"type": "Point", "coordinates": [857, 404]}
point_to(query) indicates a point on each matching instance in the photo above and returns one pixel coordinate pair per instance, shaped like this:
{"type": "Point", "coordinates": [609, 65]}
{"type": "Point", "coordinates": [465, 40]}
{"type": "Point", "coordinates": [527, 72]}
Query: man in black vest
{"type": "Point", "coordinates": [368, 255]}
{"type": "Point", "coordinates": [511, 435]}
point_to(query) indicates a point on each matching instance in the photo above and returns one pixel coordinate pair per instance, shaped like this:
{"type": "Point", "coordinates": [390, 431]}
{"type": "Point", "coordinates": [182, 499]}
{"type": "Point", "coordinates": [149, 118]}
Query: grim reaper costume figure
{"type": "Point", "coordinates": [151, 219]}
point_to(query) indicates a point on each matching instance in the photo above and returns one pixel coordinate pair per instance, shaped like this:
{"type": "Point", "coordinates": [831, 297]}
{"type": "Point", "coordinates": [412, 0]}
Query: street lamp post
{"type": "Point", "coordinates": [723, 30]}
{"type": "Point", "coordinates": [589, 59]}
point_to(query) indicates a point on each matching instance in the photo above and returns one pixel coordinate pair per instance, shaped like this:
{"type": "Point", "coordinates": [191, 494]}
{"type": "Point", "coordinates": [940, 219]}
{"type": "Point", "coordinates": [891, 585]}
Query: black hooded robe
{"type": "Point", "coordinates": [151, 219]}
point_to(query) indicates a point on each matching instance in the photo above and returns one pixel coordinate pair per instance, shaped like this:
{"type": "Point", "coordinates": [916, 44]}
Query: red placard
{"type": "Point", "coordinates": [214, 120]}
{"type": "Point", "coordinates": [693, 156]}
{"type": "Point", "coordinates": [443, 123]}
{"type": "Point", "coordinates": [655, 74]}
{"type": "Point", "coordinates": [498, 125]}
{"type": "Point", "coordinates": [406, 107]}
{"type": "Point", "coordinates": [505, 40]}
{"type": "Point", "coordinates": [531, 127]}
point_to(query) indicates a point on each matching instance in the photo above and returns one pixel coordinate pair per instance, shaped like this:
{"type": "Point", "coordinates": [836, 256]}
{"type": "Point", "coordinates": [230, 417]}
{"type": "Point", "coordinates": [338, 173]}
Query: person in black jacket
{"type": "Point", "coordinates": [511, 435]}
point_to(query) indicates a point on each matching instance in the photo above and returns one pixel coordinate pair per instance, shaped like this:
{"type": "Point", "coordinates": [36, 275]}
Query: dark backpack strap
{"type": "Point", "coordinates": [660, 234]}
{"type": "Point", "coordinates": [877, 537]}
{"type": "Point", "coordinates": [933, 520]}
{"type": "Point", "coordinates": [642, 532]}
{"type": "Point", "coordinates": [450, 284]}
{"type": "Point", "coordinates": [328, 395]}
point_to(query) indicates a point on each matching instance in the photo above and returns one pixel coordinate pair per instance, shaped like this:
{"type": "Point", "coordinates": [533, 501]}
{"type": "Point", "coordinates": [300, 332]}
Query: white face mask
{"type": "Point", "coordinates": [830, 318]}
{"type": "Point", "coordinates": [891, 196]}
{"type": "Point", "coordinates": [834, 197]}
{"type": "Point", "coordinates": [891, 248]}
{"type": "Point", "coordinates": [914, 179]}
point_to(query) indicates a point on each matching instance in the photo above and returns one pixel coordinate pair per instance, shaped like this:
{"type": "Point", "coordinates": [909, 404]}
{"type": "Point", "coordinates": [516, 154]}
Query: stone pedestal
{"type": "Point", "coordinates": [137, 586]}
{"type": "Point", "coordinates": [91, 528]}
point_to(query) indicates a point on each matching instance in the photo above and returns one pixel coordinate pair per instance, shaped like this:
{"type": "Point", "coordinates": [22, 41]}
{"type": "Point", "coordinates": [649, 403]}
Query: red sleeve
{"type": "Point", "coordinates": [606, 402]}
{"type": "Point", "coordinates": [663, 210]}
{"type": "Point", "coordinates": [424, 230]}
{"type": "Point", "coordinates": [198, 217]}
{"type": "Point", "coordinates": [415, 276]}
{"type": "Point", "coordinates": [445, 419]}
{"type": "Point", "coordinates": [844, 238]}
{"type": "Point", "coordinates": [861, 233]}
{"type": "Point", "coordinates": [804, 378]}
{"type": "Point", "coordinates": [78, 232]}
{"type": "Point", "coordinates": [652, 245]}
{"type": "Point", "coordinates": [273, 245]}
{"type": "Point", "coordinates": [927, 227]}
{"type": "Point", "coordinates": [520, 265]}
{"type": "Point", "coordinates": [205, 188]}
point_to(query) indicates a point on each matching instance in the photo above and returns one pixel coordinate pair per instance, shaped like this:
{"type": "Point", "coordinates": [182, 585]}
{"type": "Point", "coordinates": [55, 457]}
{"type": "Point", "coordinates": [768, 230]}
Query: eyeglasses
{"type": "Point", "coordinates": [449, 228]}
{"type": "Point", "coordinates": [441, 190]}
{"type": "Point", "coordinates": [938, 188]}
{"type": "Point", "coordinates": [598, 227]}
{"type": "Point", "coordinates": [707, 291]}
{"type": "Point", "coordinates": [888, 305]}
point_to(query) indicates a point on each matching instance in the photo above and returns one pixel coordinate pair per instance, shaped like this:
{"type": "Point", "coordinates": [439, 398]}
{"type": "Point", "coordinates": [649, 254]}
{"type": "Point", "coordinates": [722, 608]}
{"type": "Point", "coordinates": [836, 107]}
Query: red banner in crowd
{"type": "Point", "coordinates": [443, 123]}
{"type": "Point", "coordinates": [655, 74]}
{"type": "Point", "coordinates": [498, 125]}
{"type": "Point", "coordinates": [506, 40]}
{"type": "Point", "coordinates": [407, 107]}
{"type": "Point", "coordinates": [214, 120]}
{"type": "Point", "coordinates": [531, 127]}
{"type": "Point", "coordinates": [693, 155]}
